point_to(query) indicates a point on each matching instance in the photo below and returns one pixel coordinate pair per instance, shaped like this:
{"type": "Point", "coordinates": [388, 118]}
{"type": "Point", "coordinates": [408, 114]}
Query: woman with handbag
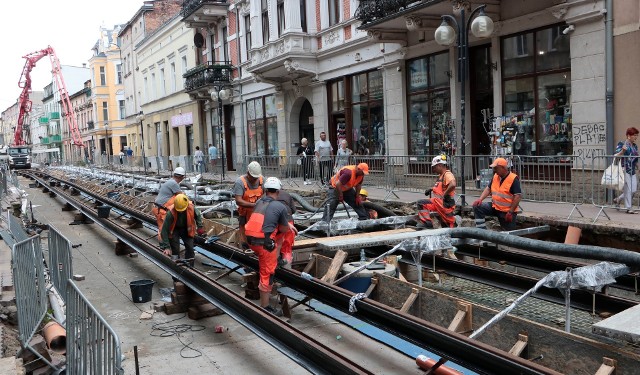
{"type": "Point", "coordinates": [628, 152]}
{"type": "Point", "coordinates": [305, 154]}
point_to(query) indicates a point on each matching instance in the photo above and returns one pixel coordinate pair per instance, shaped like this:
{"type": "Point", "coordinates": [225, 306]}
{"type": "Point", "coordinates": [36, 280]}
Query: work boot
{"type": "Point", "coordinates": [275, 311]}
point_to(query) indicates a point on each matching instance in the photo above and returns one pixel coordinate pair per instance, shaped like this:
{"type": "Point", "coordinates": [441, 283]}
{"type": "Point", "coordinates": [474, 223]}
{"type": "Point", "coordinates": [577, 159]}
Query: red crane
{"type": "Point", "coordinates": [25, 103]}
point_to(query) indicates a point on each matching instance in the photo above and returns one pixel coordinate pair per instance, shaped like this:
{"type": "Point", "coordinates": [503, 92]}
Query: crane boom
{"type": "Point", "coordinates": [25, 102]}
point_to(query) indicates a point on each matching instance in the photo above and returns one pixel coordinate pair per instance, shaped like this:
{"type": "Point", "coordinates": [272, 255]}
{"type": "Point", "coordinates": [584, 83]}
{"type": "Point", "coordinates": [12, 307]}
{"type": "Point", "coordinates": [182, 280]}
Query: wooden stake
{"type": "Point", "coordinates": [410, 300]}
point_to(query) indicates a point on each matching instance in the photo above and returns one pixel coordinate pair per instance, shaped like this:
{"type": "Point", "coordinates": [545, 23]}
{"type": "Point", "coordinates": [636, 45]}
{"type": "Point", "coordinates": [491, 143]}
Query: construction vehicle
{"type": "Point", "coordinates": [19, 151]}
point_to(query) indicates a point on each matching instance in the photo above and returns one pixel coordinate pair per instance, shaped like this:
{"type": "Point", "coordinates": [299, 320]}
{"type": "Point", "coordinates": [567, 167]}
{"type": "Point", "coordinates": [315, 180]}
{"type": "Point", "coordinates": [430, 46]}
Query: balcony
{"type": "Point", "coordinates": [203, 13]}
{"type": "Point", "coordinates": [54, 116]}
{"type": "Point", "coordinates": [199, 80]}
{"type": "Point", "coordinates": [43, 120]}
{"type": "Point", "coordinates": [44, 140]}
{"type": "Point", "coordinates": [56, 138]}
{"type": "Point", "coordinates": [285, 59]}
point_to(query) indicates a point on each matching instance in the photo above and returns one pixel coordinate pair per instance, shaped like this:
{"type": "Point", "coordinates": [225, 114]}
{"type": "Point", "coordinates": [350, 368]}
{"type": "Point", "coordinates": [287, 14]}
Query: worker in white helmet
{"type": "Point", "coordinates": [166, 194]}
{"type": "Point", "coordinates": [441, 196]}
{"type": "Point", "coordinates": [247, 190]}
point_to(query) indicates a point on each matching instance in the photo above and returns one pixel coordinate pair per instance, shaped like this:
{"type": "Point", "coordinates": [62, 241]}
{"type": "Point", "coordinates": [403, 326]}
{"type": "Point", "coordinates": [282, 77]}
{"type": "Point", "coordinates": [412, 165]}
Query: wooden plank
{"type": "Point", "coordinates": [608, 366]}
{"type": "Point", "coordinates": [310, 265]}
{"type": "Point", "coordinates": [462, 322]}
{"type": "Point", "coordinates": [335, 267]}
{"type": "Point", "coordinates": [410, 300]}
{"type": "Point", "coordinates": [520, 345]}
{"type": "Point", "coordinates": [315, 241]}
{"type": "Point", "coordinates": [372, 286]}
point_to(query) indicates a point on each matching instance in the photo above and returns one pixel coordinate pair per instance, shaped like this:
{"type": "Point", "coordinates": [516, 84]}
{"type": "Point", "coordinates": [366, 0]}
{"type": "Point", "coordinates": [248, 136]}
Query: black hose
{"type": "Point", "coordinates": [382, 211]}
{"type": "Point", "coordinates": [610, 254]}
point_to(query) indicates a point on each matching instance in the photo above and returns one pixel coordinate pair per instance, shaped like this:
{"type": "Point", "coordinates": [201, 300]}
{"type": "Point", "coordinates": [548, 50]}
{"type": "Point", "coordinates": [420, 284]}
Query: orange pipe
{"type": "Point", "coordinates": [573, 235]}
{"type": "Point", "coordinates": [56, 337]}
{"type": "Point", "coordinates": [427, 363]}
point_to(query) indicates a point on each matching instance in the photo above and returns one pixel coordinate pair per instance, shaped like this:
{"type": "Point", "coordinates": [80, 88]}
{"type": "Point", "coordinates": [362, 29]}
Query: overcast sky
{"type": "Point", "coordinates": [71, 27]}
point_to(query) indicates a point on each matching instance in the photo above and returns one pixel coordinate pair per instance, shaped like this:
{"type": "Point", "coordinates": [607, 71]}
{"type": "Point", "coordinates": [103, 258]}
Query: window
{"type": "Point", "coordinates": [303, 15]}
{"type": "Point", "coordinates": [262, 126]}
{"type": "Point", "coordinates": [119, 74]}
{"type": "Point", "coordinates": [146, 89]}
{"type": "Point", "coordinates": [429, 101]}
{"type": "Point", "coordinates": [154, 87]}
{"type": "Point", "coordinates": [281, 17]}
{"type": "Point", "coordinates": [247, 34]}
{"type": "Point", "coordinates": [162, 83]}
{"type": "Point", "coordinates": [334, 12]}
{"type": "Point", "coordinates": [105, 111]}
{"type": "Point", "coordinates": [173, 77]}
{"type": "Point", "coordinates": [537, 91]}
{"type": "Point", "coordinates": [225, 44]}
{"type": "Point", "coordinates": [212, 42]}
{"type": "Point", "coordinates": [125, 65]}
{"type": "Point", "coordinates": [103, 77]}
{"type": "Point", "coordinates": [184, 64]}
{"type": "Point", "coordinates": [265, 22]}
{"type": "Point", "coordinates": [122, 109]}
{"type": "Point", "coordinates": [367, 112]}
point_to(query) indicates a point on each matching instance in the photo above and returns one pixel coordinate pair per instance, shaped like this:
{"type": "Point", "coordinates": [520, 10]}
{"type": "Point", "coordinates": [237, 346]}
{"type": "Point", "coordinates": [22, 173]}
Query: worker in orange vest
{"type": "Point", "coordinates": [267, 223]}
{"type": "Point", "coordinates": [345, 187]}
{"type": "Point", "coordinates": [247, 190]}
{"type": "Point", "coordinates": [284, 242]}
{"type": "Point", "coordinates": [441, 201]}
{"type": "Point", "coordinates": [183, 221]}
{"type": "Point", "coordinates": [166, 194]}
{"type": "Point", "coordinates": [505, 194]}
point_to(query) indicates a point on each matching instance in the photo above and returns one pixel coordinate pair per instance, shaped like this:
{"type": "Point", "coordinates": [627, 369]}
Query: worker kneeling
{"type": "Point", "coordinates": [345, 187]}
{"type": "Point", "coordinates": [441, 201]}
{"type": "Point", "coordinates": [265, 226]}
{"type": "Point", "coordinates": [180, 223]}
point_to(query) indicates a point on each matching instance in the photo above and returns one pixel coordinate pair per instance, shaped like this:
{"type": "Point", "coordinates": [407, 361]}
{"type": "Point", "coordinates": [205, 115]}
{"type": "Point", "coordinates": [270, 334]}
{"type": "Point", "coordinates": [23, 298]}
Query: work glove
{"type": "Point", "coordinates": [508, 217]}
{"type": "Point", "coordinates": [427, 192]}
{"type": "Point", "coordinates": [200, 231]}
{"type": "Point", "coordinates": [358, 201]}
{"type": "Point", "coordinates": [477, 202]}
{"type": "Point", "coordinates": [448, 202]}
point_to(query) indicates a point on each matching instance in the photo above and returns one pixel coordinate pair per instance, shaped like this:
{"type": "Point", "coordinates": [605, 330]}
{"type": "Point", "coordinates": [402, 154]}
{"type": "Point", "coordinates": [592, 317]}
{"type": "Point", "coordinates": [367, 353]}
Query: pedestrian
{"type": "Point", "coordinates": [627, 150]}
{"type": "Point", "coordinates": [284, 243]}
{"type": "Point", "coordinates": [363, 148]}
{"type": "Point", "coordinates": [198, 159]}
{"type": "Point", "coordinates": [364, 197]}
{"type": "Point", "coordinates": [441, 196]}
{"type": "Point", "coordinates": [213, 156]}
{"type": "Point", "coordinates": [247, 190]}
{"type": "Point", "coordinates": [345, 187]}
{"type": "Point", "coordinates": [324, 154]}
{"type": "Point", "coordinates": [183, 221]}
{"type": "Point", "coordinates": [166, 195]}
{"type": "Point", "coordinates": [121, 156]}
{"type": "Point", "coordinates": [269, 220]}
{"type": "Point", "coordinates": [305, 153]}
{"type": "Point", "coordinates": [342, 155]}
{"type": "Point", "coordinates": [505, 194]}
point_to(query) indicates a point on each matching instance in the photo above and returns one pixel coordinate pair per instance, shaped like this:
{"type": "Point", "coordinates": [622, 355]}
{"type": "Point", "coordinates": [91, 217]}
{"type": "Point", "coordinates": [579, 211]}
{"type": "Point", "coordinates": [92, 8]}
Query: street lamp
{"type": "Point", "coordinates": [481, 27]}
{"type": "Point", "coordinates": [106, 142]}
{"type": "Point", "coordinates": [140, 118]}
{"type": "Point", "coordinates": [220, 93]}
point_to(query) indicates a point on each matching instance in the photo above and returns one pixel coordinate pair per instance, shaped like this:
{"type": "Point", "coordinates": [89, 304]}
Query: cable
{"type": "Point", "coordinates": [163, 330]}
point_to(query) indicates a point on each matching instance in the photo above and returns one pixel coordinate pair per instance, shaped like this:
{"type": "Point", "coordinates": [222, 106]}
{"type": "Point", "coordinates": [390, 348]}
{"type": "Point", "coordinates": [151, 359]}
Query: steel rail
{"type": "Point", "coordinates": [295, 344]}
{"type": "Point", "coordinates": [458, 348]}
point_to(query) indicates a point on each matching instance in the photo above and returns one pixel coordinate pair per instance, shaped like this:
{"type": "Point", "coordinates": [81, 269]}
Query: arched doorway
{"type": "Point", "coordinates": [305, 122]}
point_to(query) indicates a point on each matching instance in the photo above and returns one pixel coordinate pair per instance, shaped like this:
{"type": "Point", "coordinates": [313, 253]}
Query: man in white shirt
{"type": "Point", "coordinates": [213, 156]}
{"type": "Point", "coordinates": [198, 159]}
{"type": "Point", "coordinates": [324, 158]}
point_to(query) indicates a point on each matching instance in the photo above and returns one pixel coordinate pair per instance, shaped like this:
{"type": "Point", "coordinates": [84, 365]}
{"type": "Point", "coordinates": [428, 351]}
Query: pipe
{"type": "Point", "coordinates": [57, 304]}
{"type": "Point", "coordinates": [608, 51]}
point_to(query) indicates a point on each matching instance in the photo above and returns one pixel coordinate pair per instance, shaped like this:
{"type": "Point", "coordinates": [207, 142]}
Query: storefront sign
{"type": "Point", "coordinates": [182, 119]}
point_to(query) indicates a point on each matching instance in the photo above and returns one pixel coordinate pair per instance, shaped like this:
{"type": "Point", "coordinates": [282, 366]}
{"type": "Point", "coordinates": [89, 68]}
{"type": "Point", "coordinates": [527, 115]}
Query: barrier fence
{"type": "Point", "coordinates": [93, 347]}
{"type": "Point", "coordinates": [60, 260]}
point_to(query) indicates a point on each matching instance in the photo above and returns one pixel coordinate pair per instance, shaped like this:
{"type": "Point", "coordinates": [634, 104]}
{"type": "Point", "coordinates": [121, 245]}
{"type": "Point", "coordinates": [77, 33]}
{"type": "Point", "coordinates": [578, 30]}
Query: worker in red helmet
{"type": "Point", "coordinates": [345, 187]}
{"type": "Point", "coordinates": [183, 221]}
{"type": "Point", "coordinates": [268, 221]}
{"type": "Point", "coordinates": [441, 196]}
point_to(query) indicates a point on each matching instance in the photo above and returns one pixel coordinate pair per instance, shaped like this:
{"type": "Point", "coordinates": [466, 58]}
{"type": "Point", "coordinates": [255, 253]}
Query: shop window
{"type": "Point", "coordinates": [517, 55]}
{"type": "Point", "coordinates": [429, 101]}
{"type": "Point", "coordinates": [262, 126]}
{"type": "Point", "coordinates": [368, 132]}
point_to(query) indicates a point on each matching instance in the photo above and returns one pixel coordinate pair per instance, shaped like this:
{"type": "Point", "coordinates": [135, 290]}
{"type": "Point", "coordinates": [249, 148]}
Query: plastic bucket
{"type": "Point", "coordinates": [103, 211]}
{"type": "Point", "coordinates": [141, 290]}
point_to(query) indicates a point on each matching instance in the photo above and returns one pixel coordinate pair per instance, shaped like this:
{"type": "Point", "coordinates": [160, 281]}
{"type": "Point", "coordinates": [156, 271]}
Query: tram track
{"type": "Point", "coordinates": [477, 356]}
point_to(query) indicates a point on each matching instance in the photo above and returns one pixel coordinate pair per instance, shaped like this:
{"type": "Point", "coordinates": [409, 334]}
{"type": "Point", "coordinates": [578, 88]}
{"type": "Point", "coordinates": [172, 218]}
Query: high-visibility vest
{"type": "Point", "coordinates": [501, 198]}
{"type": "Point", "coordinates": [253, 228]}
{"type": "Point", "coordinates": [355, 180]}
{"type": "Point", "coordinates": [250, 195]}
{"type": "Point", "coordinates": [437, 203]}
{"type": "Point", "coordinates": [191, 220]}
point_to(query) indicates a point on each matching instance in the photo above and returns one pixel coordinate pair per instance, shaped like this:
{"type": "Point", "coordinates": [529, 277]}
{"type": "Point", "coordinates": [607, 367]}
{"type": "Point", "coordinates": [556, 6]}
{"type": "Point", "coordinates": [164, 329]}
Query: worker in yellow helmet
{"type": "Point", "coordinates": [364, 197]}
{"type": "Point", "coordinates": [183, 221]}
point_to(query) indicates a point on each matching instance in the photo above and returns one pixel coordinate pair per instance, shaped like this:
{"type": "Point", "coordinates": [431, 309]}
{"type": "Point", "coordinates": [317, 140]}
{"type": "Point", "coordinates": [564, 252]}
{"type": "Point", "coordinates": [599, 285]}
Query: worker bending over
{"type": "Point", "coordinates": [183, 221]}
{"type": "Point", "coordinates": [345, 187]}
{"type": "Point", "coordinates": [284, 243]}
{"type": "Point", "coordinates": [441, 201]}
{"type": "Point", "coordinates": [167, 192]}
{"type": "Point", "coordinates": [505, 194]}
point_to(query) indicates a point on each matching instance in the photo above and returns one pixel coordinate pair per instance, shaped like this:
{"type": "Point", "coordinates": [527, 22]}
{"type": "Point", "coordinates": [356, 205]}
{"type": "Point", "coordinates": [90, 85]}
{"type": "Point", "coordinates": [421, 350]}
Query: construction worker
{"type": "Point", "coordinates": [247, 190]}
{"type": "Point", "coordinates": [166, 194]}
{"type": "Point", "coordinates": [268, 221]}
{"type": "Point", "coordinates": [183, 221]}
{"type": "Point", "coordinates": [345, 186]}
{"type": "Point", "coordinates": [364, 197]}
{"type": "Point", "coordinates": [284, 243]}
{"type": "Point", "coordinates": [441, 201]}
{"type": "Point", "coordinates": [505, 194]}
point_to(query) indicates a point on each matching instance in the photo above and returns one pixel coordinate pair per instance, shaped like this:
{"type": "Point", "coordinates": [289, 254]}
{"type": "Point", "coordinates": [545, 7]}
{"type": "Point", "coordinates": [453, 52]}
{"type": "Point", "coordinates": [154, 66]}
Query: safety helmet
{"type": "Point", "coordinates": [440, 159]}
{"type": "Point", "coordinates": [364, 167]}
{"type": "Point", "coordinates": [254, 169]}
{"type": "Point", "coordinates": [272, 183]}
{"type": "Point", "coordinates": [364, 192]}
{"type": "Point", "coordinates": [181, 202]}
{"type": "Point", "coordinates": [179, 172]}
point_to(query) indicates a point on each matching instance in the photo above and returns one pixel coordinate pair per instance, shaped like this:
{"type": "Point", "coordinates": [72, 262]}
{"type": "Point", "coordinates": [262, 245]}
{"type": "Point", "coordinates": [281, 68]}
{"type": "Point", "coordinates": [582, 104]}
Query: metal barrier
{"type": "Point", "coordinates": [93, 347]}
{"type": "Point", "coordinates": [60, 260]}
{"type": "Point", "coordinates": [31, 295]}
{"type": "Point", "coordinates": [16, 229]}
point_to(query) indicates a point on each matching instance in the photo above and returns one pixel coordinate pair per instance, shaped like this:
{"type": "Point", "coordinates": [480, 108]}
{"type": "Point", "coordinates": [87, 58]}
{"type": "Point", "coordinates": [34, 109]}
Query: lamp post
{"type": "Point", "coordinates": [140, 118]}
{"type": "Point", "coordinates": [106, 142]}
{"type": "Point", "coordinates": [220, 93]}
{"type": "Point", "coordinates": [445, 35]}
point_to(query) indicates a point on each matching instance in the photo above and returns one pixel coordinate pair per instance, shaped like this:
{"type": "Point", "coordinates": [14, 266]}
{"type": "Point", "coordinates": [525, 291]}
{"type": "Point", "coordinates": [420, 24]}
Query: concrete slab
{"type": "Point", "coordinates": [622, 326]}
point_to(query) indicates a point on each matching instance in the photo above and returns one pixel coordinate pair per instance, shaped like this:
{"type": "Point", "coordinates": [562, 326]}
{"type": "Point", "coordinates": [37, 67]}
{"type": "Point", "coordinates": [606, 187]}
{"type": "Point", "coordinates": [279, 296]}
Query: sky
{"type": "Point", "coordinates": [71, 27]}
